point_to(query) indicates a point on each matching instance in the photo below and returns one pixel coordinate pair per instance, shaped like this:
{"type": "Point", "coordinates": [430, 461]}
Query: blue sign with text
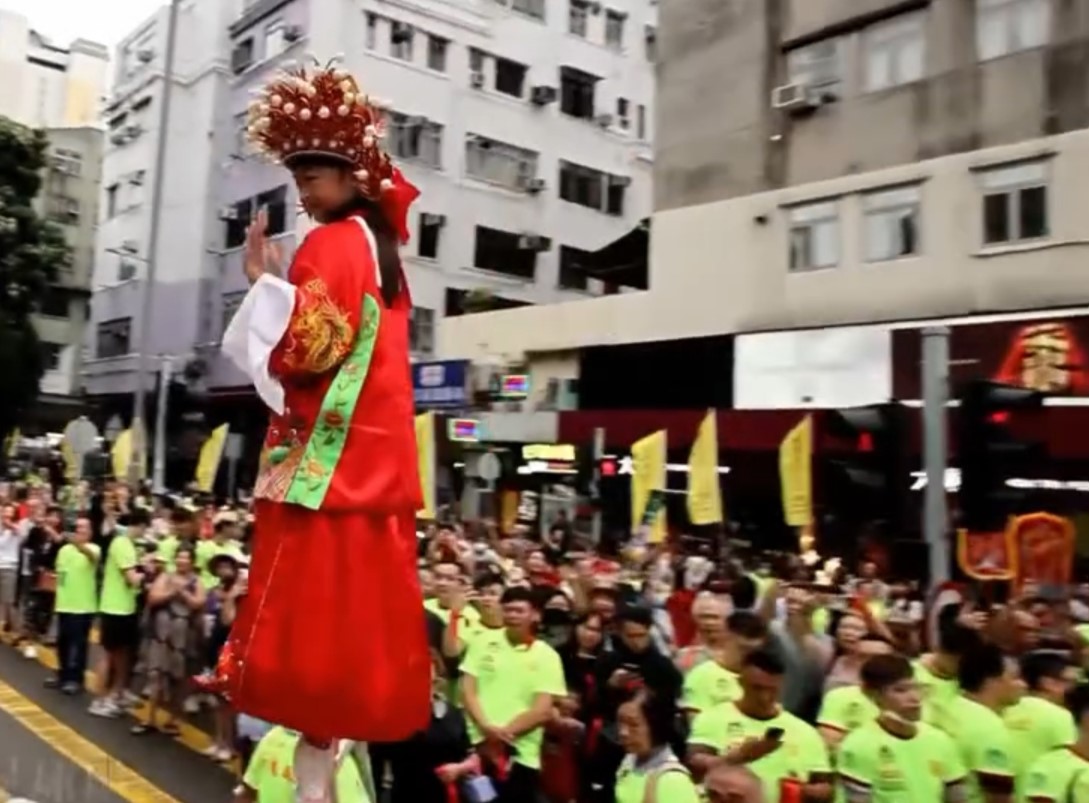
{"type": "Point", "coordinates": [440, 385]}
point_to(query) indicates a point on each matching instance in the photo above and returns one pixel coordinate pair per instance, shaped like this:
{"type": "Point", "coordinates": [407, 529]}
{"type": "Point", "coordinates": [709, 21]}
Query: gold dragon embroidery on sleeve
{"type": "Point", "coordinates": [320, 334]}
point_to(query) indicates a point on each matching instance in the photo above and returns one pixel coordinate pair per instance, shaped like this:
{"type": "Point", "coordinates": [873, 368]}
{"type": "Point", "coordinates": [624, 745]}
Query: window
{"type": "Point", "coordinates": [502, 252]}
{"type": "Point", "coordinates": [641, 122]}
{"type": "Point", "coordinates": [275, 204]}
{"type": "Point", "coordinates": [63, 210]}
{"type": "Point", "coordinates": [51, 355]}
{"type": "Point", "coordinates": [814, 236]}
{"type": "Point", "coordinates": [126, 269]}
{"type": "Point", "coordinates": [499, 163]}
{"type": "Point", "coordinates": [436, 53]}
{"type": "Point", "coordinates": [1008, 26]}
{"type": "Point", "coordinates": [68, 162]}
{"type": "Point", "coordinates": [111, 201]}
{"type": "Point", "coordinates": [113, 338]}
{"type": "Point", "coordinates": [817, 65]}
{"type": "Point", "coordinates": [614, 29]}
{"type": "Point", "coordinates": [231, 303]}
{"type": "Point", "coordinates": [894, 53]}
{"type": "Point", "coordinates": [372, 31]}
{"type": "Point", "coordinates": [400, 41]}
{"type": "Point", "coordinates": [578, 12]}
{"type": "Point", "coordinates": [572, 263]}
{"type": "Point", "coordinates": [622, 113]}
{"type": "Point", "coordinates": [427, 242]}
{"type": "Point", "coordinates": [510, 77]}
{"type": "Point", "coordinates": [415, 137]}
{"type": "Point", "coordinates": [531, 8]}
{"type": "Point", "coordinates": [237, 221]}
{"type": "Point", "coordinates": [275, 40]}
{"type": "Point", "coordinates": [592, 188]}
{"type": "Point", "coordinates": [892, 223]}
{"type": "Point", "coordinates": [577, 93]}
{"type": "Point", "coordinates": [476, 59]}
{"type": "Point", "coordinates": [242, 56]}
{"type": "Point", "coordinates": [421, 331]}
{"type": "Point", "coordinates": [54, 303]}
{"type": "Point", "coordinates": [1015, 203]}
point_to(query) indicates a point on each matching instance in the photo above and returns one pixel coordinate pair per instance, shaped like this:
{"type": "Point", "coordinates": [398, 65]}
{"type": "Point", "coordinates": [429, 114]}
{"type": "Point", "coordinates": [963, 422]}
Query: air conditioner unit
{"type": "Point", "coordinates": [400, 33]}
{"type": "Point", "coordinates": [433, 219]}
{"type": "Point", "coordinates": [534, 242]}
{"type": "Point", "coordinates": [133, 131]}
{"type": "Point", "coordinates": [130, 246]}
{"type": "Point", "coordinates": [603, 120]}
{"type": "Point", "coordinates": [543, 95]}
{"type": "Point", "coordinates": [595, 8]}
{"type": "Point", "coordinates": [137, 178]}
{"type": "Point", "coordinates": [119, 138]}
{"type": "Point", "coordinates": [650, 33]}
{"type": "Point", "coordinates": [293, 33]}
{"type": "Point", "coordinates": [535, 185]}
{"type": "Point", "coordinates": [145, 55]}
{"type": "Point", "coordinates": [476, 79]}
{"type": "Point", "coordinates": [795, 98]}
{"type": "Point", "coordinates": [228, 213]}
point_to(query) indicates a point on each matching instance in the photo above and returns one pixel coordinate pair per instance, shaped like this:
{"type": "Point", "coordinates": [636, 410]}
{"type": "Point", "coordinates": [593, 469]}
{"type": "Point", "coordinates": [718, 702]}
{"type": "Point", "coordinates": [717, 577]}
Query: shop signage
{"type": "Point", "coordinates": [514, 386]}
{"type": "Point", "coordinates": [553, 452]}
{"type": "Point", "coordinates": [464, 430]}
{"type": "Point", "coordinates": [440, 385]}
{"type": "Point", "coordinates": [614, 466]}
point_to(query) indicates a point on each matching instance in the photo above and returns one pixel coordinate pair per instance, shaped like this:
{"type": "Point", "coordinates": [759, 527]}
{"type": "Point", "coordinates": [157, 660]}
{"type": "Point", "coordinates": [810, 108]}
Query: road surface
{"type": "Point", "coordinates": [53, 751]}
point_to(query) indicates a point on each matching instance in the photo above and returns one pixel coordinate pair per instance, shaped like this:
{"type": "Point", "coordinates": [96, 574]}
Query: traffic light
{"type": "Point", "coordinates": [989, 453]}
{"type": "Point", "coordinates": [872, 467]}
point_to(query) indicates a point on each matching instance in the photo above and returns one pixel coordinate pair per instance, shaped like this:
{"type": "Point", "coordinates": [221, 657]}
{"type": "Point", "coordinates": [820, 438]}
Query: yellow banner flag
{"type": "Point", "coordinates": [71, 464]}
{"type": "Point", "coordinates": [11, 448]}
{"type": "Point", "coordinates": [210, 455]}
{"type": "Point", "coordinates": [796, 474]}
{"type": "Point", "coordinates": [648, 482]}
{"type": "Point", "coordinates": [704, 495]}
{"type": "Point", "coordinates": [121, 455]}
{"type": "Point", "coordinates": [425, 453]}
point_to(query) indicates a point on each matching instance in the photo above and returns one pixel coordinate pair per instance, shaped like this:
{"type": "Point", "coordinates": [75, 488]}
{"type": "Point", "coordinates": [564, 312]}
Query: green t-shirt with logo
{"type": "Point", "coordinates": [893, 769]}
{"type": "Point", "coordinates": [1038, 726]}
{"type": "Point", "coordinates": [271, 771]}
{"type": "Point", "coordinates": [674, 784]}
{"type": "Point", "coordinates": [118, 597]}
{"type": "Point", "coordinates": [508, 679]}
{"type": "Point", "coordinates": [983, 742]}
{"type": "Point", "coordinates": [708, 685]}
{"type": "Point", "coordinates": [938, 694]}
{"type": "Point", "coordinates": [846, 708]}
{"type": "Point", "coordinates": [801, 752]}
{"type": "Point", "coordinates": [1058, 776]}
{"type": "Point", "coordinates": [77, 589]}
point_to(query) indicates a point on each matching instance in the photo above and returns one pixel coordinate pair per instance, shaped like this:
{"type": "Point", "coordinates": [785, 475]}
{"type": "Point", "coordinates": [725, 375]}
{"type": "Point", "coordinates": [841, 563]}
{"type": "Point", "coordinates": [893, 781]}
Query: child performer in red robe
{"type": "Point", "coordinates": [330, 640]}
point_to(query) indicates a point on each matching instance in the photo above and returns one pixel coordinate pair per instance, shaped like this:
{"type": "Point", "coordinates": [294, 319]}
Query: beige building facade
{"type": "Point", "coordinates": [863, 161]}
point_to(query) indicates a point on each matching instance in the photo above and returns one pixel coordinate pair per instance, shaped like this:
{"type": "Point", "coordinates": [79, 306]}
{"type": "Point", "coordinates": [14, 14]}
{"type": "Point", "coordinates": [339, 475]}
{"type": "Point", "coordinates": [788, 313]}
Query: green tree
{"type": "Point", "coordinates": [32, 251]}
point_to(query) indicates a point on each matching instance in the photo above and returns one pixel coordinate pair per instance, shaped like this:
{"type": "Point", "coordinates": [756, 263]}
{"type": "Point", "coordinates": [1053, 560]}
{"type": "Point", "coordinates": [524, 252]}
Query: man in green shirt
{"type": "Point", "coordinates": [1040, 722]}
{"type": "Point", "coordinates": [1062, 775]}
{"type": "Point", "coordinates": [896, 757]}
{"type": "Point", "coordinates": [270, 775]}
{"type": "Point", "coordinates": [77, 601]}
{"type": "Point", "coordinates": [119, 622]}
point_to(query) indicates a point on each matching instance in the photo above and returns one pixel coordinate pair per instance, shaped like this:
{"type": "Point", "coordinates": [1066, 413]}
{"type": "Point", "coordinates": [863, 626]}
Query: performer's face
{"type": "Point", "coordinates": [323, 189]}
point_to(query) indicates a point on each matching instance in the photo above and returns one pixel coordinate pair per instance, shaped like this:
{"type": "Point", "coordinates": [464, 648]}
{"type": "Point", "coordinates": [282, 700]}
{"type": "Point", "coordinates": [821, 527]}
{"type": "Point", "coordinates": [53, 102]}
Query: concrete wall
{"type": "Point", "coordinates": [723, 266]}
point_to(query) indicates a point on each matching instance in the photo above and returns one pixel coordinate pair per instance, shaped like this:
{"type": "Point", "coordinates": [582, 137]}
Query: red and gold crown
{"type": "Point", "coordinates": [322, 112]}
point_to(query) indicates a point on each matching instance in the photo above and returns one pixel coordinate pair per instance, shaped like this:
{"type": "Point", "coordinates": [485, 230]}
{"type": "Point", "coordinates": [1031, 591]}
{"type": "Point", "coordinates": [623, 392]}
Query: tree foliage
{"type": "Point", "coordinates": [32, 251]}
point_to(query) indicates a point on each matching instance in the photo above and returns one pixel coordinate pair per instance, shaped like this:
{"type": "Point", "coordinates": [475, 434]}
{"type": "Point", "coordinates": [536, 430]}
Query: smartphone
{"type": "Point", "coordinates": [773, 734]}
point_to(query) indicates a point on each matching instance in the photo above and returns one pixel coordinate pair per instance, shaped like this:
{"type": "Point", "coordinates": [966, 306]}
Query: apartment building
{"type": "Point", "coordinates": [45, 85]}
{"type": "Point", "coordinates": [862, 161]}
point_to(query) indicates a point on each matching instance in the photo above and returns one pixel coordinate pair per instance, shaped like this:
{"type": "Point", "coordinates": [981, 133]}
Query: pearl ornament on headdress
{"type": "Point", "coordinates": [370, 131]}
{"type": "Point", "coordinates": [368, 142]}
{"type": "Point", "coordinates": [345, 86]}
{"type": "Point", "coordinates": [349, 98]}
{"type": "Point", "coordinates": [276, 100]}
{"type": "Point", "coordinates": [386, 184]}
{"type": "Point", "coordinates": [362, 175]}
{"type": "Point", "coordinates": [316, 142]}
{"type": "Point", "coordinates": [304, 114]}
{"type": "Point", "coordinates": [323, 112]}
{"type": "Point", "coordinates": [289, 108]}
{"type": "Point", "coordinates": [343, 110]}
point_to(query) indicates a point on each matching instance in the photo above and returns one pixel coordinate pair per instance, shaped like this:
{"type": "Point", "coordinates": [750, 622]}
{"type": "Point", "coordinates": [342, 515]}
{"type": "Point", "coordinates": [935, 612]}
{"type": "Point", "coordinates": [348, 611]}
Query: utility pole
{"type": "Point", "coordinates": [143, 340]}
{"type": "Point", "coordinates": [935, 370]}
{"type": "Point", "coordinates": [595, 483]}
{"type": "Point", "coordinates": [158, 470]}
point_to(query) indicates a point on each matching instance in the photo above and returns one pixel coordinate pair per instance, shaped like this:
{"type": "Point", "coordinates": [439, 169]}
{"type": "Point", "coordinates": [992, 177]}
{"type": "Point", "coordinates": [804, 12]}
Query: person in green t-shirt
{"type": "Point", "coordinates": [224, 541]}
{"type": "Point", "coordinates": [451, 604]}
{"type": "Point", "coordinates": [1040, 722]}
{"type": "Point", "coordinates": [716, 681]}
{"type": "Point", "coordinates": [650, 770]}
{"type": "Point", "coordinates": [896, 757]}
{"type": "Point", "coordinates": [270, 776]}
{"type": "Point", "coordinates": [989, 685]}
{"type": "Point", "coordinates": [76, 603]}
{"type": "Point", "coordinates": [120, 625]}
{"type": "Point", "coordinates": [847, 707]}
{"type": "Point", "coordinates": [755, 731]}
{"type": "Point", "coordinates": [1062, 775]}
{"type": "Point", "coordinates": [510, 682]}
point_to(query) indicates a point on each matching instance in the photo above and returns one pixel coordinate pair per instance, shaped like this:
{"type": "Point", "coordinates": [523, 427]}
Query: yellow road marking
{"type": "Point", "coordinates": [188, 736]}
{"type": "Point", "coordinates": [111, 773]}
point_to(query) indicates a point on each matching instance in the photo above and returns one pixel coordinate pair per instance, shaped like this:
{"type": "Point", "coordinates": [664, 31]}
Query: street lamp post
{"type": "Point", "coordinates": [139, 440]}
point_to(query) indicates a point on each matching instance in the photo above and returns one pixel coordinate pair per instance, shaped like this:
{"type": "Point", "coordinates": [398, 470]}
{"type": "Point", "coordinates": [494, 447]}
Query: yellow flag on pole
{"type": "Point", "coordinates": [11, 448]}
{"type": "Point", "coordinates": [71, 464]}
{"type": "Point", "coordinates": [796, 474]}
{"type": "Point", "coordinates": [425, 452]}
{"type": "Point", "coordinates": [704, 495]}
{"type": "Point", "coordinates": [648, 482]}
{"type": "Point", "coordinates": [121, 455]}
{"type": "Point", "coordinates": [210, 455]}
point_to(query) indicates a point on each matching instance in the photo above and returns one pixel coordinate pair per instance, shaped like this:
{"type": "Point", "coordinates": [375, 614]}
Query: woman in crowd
{"type": "Point", "coordinates": [650, 771]}
{"type": "Point", "coordinates": [221, 608]}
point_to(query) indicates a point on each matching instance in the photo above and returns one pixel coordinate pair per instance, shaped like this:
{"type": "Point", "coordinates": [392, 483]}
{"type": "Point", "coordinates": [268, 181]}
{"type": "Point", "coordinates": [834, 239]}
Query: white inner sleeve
{"type": "Point", "coordinates": [255, 330]}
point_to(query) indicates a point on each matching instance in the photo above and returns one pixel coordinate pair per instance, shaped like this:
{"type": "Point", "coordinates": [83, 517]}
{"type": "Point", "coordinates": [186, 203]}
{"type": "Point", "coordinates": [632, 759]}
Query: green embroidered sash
{"type": "Point", "coordinates": [326, 443]}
